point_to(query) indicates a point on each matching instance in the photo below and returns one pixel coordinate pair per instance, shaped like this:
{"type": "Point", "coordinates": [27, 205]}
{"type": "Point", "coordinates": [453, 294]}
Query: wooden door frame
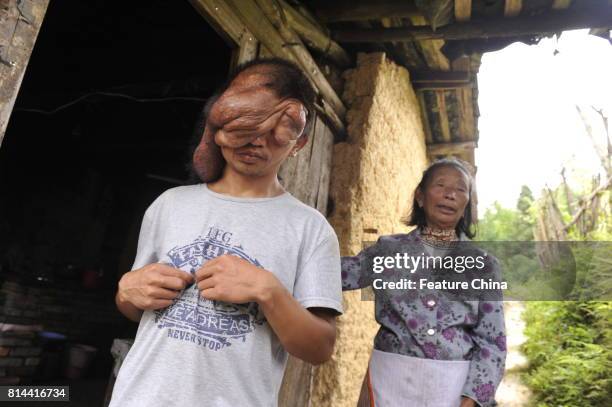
{"type": "Point", "coordinates": [19, 27]}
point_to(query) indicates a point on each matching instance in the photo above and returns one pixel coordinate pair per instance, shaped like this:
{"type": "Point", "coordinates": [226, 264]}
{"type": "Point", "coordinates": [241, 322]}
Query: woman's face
{"type": "Point", "coordinates": [445, 197]}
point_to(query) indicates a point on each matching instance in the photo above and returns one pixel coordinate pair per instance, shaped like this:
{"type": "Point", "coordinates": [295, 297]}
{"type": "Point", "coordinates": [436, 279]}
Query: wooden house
{"type": "Point", "coordinates": [397, 87]}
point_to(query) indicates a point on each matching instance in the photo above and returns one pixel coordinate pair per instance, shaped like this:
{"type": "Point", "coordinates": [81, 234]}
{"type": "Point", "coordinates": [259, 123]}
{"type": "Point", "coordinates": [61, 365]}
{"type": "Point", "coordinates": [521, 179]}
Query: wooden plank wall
{"type": "Point", "coordinates": [19, 26]}
{"type": "Point", "coordinates": [306, 176]}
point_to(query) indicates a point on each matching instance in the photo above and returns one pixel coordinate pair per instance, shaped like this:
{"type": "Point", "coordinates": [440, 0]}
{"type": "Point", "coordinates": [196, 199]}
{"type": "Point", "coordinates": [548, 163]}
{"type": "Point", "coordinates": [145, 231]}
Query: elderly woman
{"type": "Point", "coordinates": [432, 349]}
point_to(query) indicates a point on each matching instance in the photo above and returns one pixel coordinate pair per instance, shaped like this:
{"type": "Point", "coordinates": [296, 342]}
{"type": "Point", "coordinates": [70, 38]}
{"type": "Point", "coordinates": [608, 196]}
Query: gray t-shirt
{"type": "Point", "coordinates": [199, 352]}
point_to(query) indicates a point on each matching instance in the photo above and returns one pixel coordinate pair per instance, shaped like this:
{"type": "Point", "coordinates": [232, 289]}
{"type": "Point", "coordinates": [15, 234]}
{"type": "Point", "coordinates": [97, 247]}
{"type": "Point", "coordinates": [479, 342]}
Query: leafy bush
{"type": "Point", "coordinates": [569, 347]}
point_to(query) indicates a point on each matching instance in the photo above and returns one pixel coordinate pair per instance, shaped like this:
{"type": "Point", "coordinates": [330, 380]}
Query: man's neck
{"type": "Point", "coordinates": [243, 186]}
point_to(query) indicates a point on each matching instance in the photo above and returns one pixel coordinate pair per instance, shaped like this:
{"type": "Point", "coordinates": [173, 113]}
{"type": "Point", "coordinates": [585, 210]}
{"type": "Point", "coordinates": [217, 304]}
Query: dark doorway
{"type": "Point", "coordinates": [102, 125]}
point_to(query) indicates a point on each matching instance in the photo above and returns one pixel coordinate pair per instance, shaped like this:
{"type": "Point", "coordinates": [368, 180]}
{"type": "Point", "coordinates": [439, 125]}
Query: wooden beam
{"type": "Point", "coordinates": [512, 8]}
{"type": "Point", "coordinates": [235, 20]}
{"type": "Point", "coordinates": [438, 13]}
{"type": "Point", "coordinates": [283, 42]}
{"type": "Point", "coordinates": [424, 117]}
{"type": "Point", "coordinates": [467, 119]}
{"type": "Point", "coordinates": [463, 10]}
{"type": "Point", "coordinates": [249, 49]}
{"type": "Point", "coordinates": [431, 50]}
{"type": "Point", "coordinates": [548, 23]}
{"type": "Point", "coordinates": [439, 76]}
{"type": "Point", "coordinates": [363, 10]}
{"type": "Point", "coordinates": [315, 36]}
{"type": "Point", "coordinates": [561, 4]}
{"type": "Point", "coordinates": [451, 148]}
{"type": "Point", "coordinates": [442, 85]}
{"type": "Point", "coordinates": [430, 80]}
{"type": "Point", "coordinates": [443, 116]}
{"type": "Point", "coordinates": [19, 27]}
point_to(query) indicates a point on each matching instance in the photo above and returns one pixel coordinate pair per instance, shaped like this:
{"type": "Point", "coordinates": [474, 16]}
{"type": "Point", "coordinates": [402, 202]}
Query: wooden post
{"type": "Point", "coordinates": [561, 4]}
{"type": "Point", "coordinates": [512, 8]}
{"type": "Point", "coordinates": [463, 10]}
{"type": "Point", "coordinates": [247, 50]}
{"type": "Point", "coordinates": [19, 27]}
{"type": "Point", "coordinates": [443, 115]}
{"type": "Point", "coordinates": [424, 117]}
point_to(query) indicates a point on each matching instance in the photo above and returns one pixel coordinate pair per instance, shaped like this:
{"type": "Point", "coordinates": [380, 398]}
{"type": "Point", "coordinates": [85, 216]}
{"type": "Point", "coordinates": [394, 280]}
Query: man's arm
{"type": "Point", "coordinates": [308, 335]}
{"type": "Point", "coordinates": [126, 308]}
{"type": "Point", "coordinates": [151, 287]}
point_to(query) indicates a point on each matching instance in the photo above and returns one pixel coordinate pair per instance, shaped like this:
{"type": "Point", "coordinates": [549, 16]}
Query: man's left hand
{"type": "Point", "coordinates": [232, 279]}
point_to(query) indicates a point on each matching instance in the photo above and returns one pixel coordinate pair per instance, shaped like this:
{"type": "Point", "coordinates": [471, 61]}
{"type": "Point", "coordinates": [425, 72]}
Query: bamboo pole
{"type": "Point", "coordinates": [315, 36]}
{"type": "Point", "coordinates": [285, 43]}
{"type": "Point", "coordinates": [237, 20]}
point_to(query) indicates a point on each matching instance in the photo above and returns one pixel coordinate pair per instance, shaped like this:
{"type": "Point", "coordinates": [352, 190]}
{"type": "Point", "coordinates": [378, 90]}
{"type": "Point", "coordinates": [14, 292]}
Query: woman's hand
{"type": "Point", "coordinates": [467, 402]}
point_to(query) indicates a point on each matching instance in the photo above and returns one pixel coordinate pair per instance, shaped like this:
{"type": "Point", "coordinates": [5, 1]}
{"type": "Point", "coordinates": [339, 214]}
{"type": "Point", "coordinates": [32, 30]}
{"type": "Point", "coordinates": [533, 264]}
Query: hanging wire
{"type": "Point", "coordinates": [111, 94]}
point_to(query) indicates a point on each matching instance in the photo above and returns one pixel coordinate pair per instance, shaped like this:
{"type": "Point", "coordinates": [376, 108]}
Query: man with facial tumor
{"type": "Point", "coordinates": [234, 273]}
{"type": "Point", "coordinates": [248, 109]}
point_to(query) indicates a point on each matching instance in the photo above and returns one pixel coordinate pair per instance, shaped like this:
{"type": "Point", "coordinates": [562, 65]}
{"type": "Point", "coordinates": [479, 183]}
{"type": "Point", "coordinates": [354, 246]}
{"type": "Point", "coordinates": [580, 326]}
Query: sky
{"type": "Point", "coordinates": [529, 128]}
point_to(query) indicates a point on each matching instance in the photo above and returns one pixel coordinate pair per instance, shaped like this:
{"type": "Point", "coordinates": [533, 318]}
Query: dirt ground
{"type": "Point", "coordinates": [511, 392]}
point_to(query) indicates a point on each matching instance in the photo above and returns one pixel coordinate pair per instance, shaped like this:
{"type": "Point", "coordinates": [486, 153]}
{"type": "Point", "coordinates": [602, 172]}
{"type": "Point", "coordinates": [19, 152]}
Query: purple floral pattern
{"type": "Point", "coordinates": [430, 350]}
{"type": "Point", "coordinates": [484, 392]}
{"type": "Point", "coordinates": [429, 325]}
{"type": "Point", "coordinates": [449, 334]}
{"type": "Point", "coordinates": [487, 307]}
{"type": "Point", "coordinates": [500, 342]}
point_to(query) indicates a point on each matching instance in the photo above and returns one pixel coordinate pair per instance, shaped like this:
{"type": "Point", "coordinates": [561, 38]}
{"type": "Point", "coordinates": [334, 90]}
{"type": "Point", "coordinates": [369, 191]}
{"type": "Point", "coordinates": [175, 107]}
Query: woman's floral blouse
{"type": "Point", "coordinates": [428, 324]}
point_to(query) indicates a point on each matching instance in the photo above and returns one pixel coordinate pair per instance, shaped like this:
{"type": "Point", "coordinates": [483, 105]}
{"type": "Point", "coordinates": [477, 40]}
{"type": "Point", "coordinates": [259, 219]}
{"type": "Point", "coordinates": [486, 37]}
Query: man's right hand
{"type": "Point", "coordinates": [153, 286]}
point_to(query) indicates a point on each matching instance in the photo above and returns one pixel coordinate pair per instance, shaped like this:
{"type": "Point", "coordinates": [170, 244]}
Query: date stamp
{"type": "Point", "coordinates": [34, 393]}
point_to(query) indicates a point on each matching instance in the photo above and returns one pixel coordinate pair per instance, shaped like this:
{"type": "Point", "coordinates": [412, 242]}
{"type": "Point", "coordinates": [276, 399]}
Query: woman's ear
{"type": "Point", "coordinates": [418, 195]}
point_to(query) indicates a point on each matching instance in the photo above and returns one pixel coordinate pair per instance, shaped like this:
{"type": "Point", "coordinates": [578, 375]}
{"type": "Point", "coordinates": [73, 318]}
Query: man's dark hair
{"type": "Point", "coordinates": [417, 214]}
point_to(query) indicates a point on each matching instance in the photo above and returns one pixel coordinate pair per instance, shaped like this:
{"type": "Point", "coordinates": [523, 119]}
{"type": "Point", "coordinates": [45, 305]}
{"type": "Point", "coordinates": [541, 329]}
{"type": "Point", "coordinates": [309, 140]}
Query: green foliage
{"type": "Point", "coordinates": [569, 347]}
{"type": "Point", "coordinates": [503, 224]}
{"type": "Point", "coordinates": [525, 201]}
{"type": "Point", "coordinates": [593, 271]}
{"type": "Point", "coordinates": [569, 344]}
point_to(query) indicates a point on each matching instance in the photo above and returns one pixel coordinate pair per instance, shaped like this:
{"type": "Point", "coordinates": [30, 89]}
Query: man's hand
{"type": "Point", "coordinates": [152, 287]}
{"type": "Point", "coordinates": [307, 334]}
{"type": "Point", "coordinates": [467, 402]}
{"type": "Point", "coordinates": [232, 279]}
